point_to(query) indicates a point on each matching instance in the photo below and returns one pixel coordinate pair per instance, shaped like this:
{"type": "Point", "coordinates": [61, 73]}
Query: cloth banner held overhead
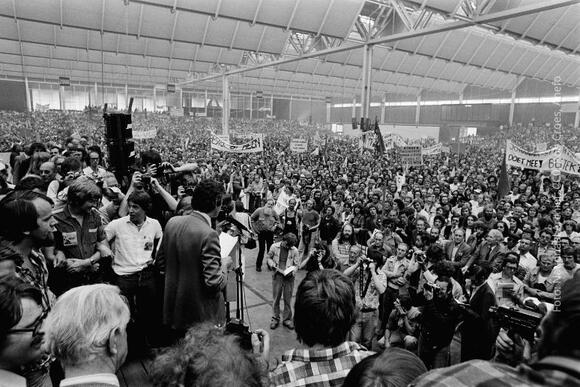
{"type": "Point", "coordinates": [144, 134]}
{"type": "Point", "coordinates": [435, 150]}
{"type": "Point", "coordinates": [558, 158]}
{"type": "Point", "coordinates": [253, 146]}
{"type": "Point", "coordinates": [298, 145]}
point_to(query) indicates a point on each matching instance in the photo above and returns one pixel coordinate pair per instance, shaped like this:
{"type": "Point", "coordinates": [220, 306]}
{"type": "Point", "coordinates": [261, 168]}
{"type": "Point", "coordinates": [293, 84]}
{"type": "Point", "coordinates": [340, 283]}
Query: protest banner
{"type": "Point", "coordinates": [253, 146]}
{"type": "Point", "coordinates": [144, 134]}
{"type": "Point", "coordinates": [298, 145]}
{"type": "Point", "coordinates": [558, 158]}
{"type": "Point", "coordinates": [411, 155]}
{"type": "Point", "coordinates": [433, 150]}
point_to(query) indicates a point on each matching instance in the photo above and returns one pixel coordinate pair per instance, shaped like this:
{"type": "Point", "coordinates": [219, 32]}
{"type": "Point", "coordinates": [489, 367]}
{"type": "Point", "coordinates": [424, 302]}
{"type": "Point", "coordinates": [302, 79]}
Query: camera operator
{"type": "Point", "coordinates": [319, 259]}
{"type": "Point", "coordinates": [148, 181]}
{"type": "Point", "coordinates": [440, 317]}
{"type": "Point", "coordinates": [370, 282]}
{"type": "Point", "coordinates": [558, 352]}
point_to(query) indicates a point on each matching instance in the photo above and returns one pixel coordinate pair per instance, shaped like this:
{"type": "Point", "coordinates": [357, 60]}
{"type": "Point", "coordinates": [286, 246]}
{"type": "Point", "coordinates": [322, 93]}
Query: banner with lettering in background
{"type": "Point", "coordinates": [298, 145]}
{"type": "Point", "coordinates": [435, 150]}
{"type": "Point", "coordinates": [558, 158]}
{"type": "Point", "coordinates": [255, 145]}
{"type": "Point", "coordinates": [144, 134]}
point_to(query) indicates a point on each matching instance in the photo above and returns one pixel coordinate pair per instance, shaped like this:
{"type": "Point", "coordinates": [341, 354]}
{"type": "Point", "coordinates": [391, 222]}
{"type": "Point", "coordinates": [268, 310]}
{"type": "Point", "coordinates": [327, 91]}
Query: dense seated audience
{"type": "Point", "coordinates": [400, 259]}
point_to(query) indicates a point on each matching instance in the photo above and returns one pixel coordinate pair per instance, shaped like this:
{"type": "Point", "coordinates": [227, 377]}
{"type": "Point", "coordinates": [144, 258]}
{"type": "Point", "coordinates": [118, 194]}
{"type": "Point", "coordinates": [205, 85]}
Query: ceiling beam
{"type": "Point", "coordinates": [445, 27]}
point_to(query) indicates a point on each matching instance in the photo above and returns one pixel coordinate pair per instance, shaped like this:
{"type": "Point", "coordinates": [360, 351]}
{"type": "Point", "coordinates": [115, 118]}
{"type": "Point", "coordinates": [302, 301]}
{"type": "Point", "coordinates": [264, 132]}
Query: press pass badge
{"type": "Point", "coordinates": [69, 239]}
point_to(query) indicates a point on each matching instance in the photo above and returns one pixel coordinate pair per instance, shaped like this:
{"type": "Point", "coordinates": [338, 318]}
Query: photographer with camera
{"type": "Point", "coordinates": [148, 180]}
{"type": "Point", "coordinates": [440, 317]}
{"type": "Point", "coordinates": [319, 259]}
{"type": "Point", "coordinates": [558, 353]}
{"type": "Point", "coordinates": [370, 282]}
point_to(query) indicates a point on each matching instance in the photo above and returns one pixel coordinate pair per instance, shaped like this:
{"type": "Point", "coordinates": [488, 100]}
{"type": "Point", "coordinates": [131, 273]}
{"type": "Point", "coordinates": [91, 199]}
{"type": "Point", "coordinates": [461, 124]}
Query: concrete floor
{"type": "Point", "coordinates": [258, 305]}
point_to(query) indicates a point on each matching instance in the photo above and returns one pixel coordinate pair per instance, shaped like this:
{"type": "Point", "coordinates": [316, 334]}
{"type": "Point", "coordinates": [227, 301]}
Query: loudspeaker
{"type": "Point", "coordinates": [120, 145]}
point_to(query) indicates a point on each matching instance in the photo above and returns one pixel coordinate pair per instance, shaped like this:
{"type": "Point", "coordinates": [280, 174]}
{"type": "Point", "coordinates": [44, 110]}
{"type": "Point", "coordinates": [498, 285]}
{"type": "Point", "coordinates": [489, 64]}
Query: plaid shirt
{"type": "Point", "coordinates": [483, 373]}
{"type": "Point", "coordinates": [318, 368]}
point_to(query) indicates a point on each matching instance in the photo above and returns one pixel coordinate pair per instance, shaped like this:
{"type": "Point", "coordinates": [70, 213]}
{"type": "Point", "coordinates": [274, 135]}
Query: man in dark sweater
{"type": "Point", "coordinates": [440, 317]}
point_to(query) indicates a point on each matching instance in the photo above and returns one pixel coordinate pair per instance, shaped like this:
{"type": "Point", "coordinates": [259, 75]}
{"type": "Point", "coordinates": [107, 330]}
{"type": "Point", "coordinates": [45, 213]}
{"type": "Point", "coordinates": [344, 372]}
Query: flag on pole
{"type": "Point", "coordinates": [503, 185]}
{"type": "Point", "coordinates": [379, 144]}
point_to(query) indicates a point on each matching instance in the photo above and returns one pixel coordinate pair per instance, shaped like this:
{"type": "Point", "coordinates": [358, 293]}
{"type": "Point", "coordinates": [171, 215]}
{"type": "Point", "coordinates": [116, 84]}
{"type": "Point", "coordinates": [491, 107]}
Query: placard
{"type": "Point", "coordinates": [298, 145]}
{"type": "Point", "coordinates": [411, 155]}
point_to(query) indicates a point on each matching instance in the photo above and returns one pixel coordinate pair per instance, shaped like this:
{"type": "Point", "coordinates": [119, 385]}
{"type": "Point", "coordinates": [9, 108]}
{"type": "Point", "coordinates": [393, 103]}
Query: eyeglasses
{"type": "Point", "coordinates": [34, 327]}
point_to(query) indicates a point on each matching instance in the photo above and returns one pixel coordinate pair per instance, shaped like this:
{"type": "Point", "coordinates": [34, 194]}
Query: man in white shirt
{"type": "Point", "coordinates": [135, 239]}
{"type": "Point", "coordinates": [527, 260]}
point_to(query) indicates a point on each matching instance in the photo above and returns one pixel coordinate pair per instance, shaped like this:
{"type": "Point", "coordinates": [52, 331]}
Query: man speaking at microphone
{"type": "Point", "coordinates": [189, 256]}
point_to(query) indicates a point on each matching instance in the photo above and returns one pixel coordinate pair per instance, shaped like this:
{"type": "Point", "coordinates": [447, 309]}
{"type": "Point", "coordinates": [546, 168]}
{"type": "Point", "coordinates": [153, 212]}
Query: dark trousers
{"type": "Point", "coordinates": [265, 240]}
{"type": "Point", "coordinates": [255, 202]}
{"type": "Point", "coordinates": [141, 292]}
{"type": "Point", "coordinates": [387, 302]}
{"type": "Point", "coordinates": [282, 286]}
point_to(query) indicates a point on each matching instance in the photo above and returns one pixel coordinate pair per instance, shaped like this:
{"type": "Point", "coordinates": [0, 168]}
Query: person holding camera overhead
{"type": "Point", "coordinates": [370, 282]}
{"type": "Point", "coordinates": [148, 180]}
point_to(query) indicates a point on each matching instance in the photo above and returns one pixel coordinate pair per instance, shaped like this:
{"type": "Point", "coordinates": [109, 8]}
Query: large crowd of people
{"type": "Point", "coordinates": [400, 260]}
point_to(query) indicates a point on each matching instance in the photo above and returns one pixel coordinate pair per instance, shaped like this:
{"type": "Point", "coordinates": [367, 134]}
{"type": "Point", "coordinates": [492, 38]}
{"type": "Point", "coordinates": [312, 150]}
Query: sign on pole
{"type": "Point", "coordinates": [298, 145]}
{"type": "Point", "coordinates": [64, 81]}
{"type": "Point", "coordinates": [411, 155]}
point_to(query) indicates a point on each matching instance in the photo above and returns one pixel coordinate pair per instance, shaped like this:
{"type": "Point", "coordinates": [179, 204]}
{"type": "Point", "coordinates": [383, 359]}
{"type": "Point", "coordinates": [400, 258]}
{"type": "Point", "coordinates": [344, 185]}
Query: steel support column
{"type": "Point", "coordinates": [226, 106]}
{"type": "Point", "coordinates": [28, 100]}
{"type": "Point", "coordinates": [383, 108]}
{"type": "Point", "coordinates": [61, 97]}
{"type": "Point", "coordinates": [366, 81]}
{"type": "Point", "coordinates": [512, 107]}
{"type": "Point", "coordinates": [577, 115]}
{"type": "Point", "coordinates": [354, 107]}
{"type": "Point", "coordinates": [418, 109]}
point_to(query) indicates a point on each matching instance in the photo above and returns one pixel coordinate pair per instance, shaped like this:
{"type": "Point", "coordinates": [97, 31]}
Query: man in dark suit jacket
{"type": "Point", "coordinates": [491, 251]}
{"type": "Point", "coordinates": [457, 251]}
{"type": "Point", "coordinates": [195, 275]}
{"type": "Point", "coordinates": [478, 333]}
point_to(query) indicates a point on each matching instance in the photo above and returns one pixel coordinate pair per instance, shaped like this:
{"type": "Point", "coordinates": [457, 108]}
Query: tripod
{"type": "Point", "coordinates": [237, 326]}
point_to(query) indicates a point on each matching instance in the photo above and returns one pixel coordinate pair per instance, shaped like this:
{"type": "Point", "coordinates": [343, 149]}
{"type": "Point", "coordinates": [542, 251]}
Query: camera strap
{"type": "Point", "coordinates": [363, 294]}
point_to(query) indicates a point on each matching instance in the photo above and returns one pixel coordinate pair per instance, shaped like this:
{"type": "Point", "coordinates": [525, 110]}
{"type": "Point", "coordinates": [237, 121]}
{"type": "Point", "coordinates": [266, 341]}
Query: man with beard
{"type": "Point", "coordinates": [488, 218]}
{"type": "Point", "coordinates": [341, 245]}
{"type": "Point", "coordinates": [291, 218]}
{"type": "Point", "coordinates": [440, 317]}
{"type": "Point", "coordinates": [136, 238]}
